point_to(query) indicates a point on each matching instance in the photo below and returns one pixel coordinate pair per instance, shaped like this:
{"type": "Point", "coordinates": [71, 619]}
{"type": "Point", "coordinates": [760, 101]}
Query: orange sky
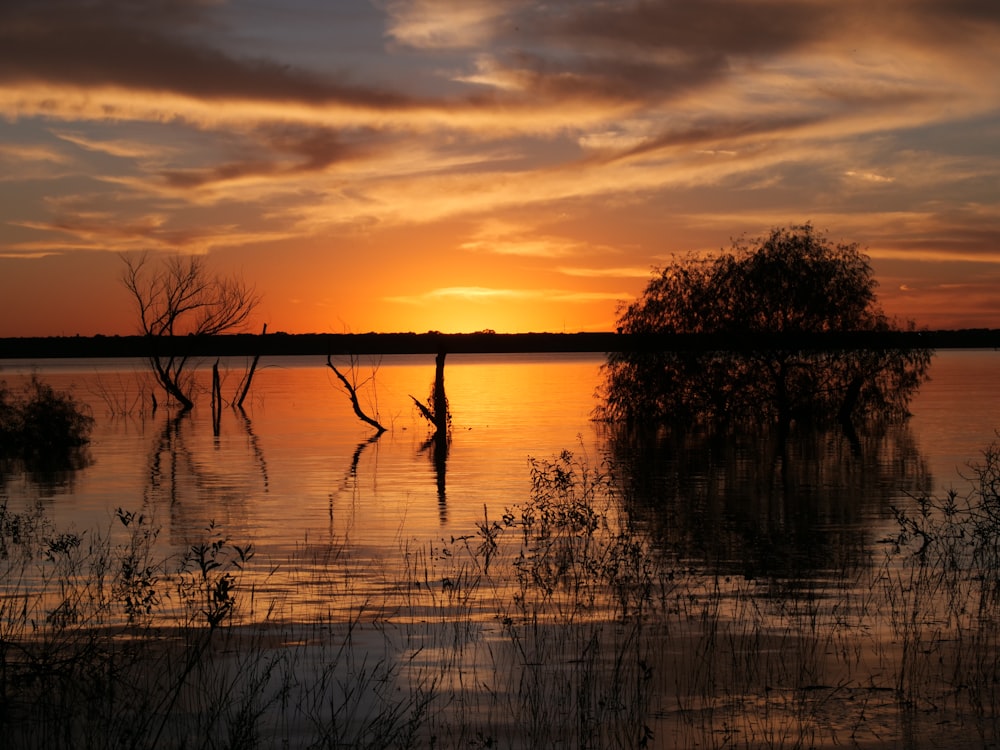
{"type": "Point", "coordinates": [457, 165]}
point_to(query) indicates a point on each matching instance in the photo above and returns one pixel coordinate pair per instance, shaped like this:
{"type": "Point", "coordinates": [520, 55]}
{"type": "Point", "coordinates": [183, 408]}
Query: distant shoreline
{"type": "Point", "coordinates": [285, 344]}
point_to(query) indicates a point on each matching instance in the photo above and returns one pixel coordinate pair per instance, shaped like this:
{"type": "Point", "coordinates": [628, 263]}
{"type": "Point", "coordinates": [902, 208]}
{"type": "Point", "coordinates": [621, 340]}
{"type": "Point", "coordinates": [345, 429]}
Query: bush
{"type": "Point", "coordinates": [41, 424]}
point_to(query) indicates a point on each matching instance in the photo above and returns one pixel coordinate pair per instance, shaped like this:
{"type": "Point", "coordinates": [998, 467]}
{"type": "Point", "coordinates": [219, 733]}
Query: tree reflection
{"type": "Point", "coordinates": [438, 414]}
{"type": "Point", "coordinates": [188, 474]}
{"type": "Point", "coordinates": [349, 483]}
{"type": "Point", "coordinates": [47, 475]}
{"type": "Point", "coordinates": [436, 446]}
{"type": "Point", "coordinates": [764, 502]}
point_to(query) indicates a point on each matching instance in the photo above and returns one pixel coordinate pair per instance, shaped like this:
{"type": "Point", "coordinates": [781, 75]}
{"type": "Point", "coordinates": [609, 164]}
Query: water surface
{"type": "Point", "coordinates": [297, 467]}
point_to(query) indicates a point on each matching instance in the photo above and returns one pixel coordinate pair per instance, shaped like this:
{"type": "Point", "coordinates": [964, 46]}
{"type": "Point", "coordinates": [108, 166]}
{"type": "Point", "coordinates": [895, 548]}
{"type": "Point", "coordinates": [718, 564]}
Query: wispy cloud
{"type": "Point", "coordinates": [126, 149]}
{"type": "Point", "coordinates": [25, 154]}
{"type": "Point", "coordinates": [465, 293]}
{"type": "Point", "coordinates": [488, 294]}
{"type": "Point", "coordinates": [499, 237]}
{"type": "Point", "coordinates": [635, 272]}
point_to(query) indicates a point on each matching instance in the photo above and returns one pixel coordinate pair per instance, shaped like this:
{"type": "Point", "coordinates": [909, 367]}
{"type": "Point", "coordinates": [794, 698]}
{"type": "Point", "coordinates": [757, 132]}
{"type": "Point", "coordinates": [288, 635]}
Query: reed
{"type": "Point", "coordinates": [554, 622]}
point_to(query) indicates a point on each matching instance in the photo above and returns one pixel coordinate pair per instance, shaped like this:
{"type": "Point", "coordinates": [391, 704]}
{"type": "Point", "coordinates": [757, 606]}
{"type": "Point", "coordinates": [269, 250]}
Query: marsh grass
{"type": "Point", "coordinates": [555, 622]}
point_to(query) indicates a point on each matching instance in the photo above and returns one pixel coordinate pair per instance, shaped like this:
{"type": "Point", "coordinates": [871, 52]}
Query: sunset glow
{"type": "Point", "coordinates": [391, 165]}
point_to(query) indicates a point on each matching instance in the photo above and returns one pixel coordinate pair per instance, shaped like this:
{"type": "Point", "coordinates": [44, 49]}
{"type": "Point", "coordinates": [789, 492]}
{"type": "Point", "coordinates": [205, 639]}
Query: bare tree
{"type": "Point", "coordinates": [179, 296]}
{"type": "Point", "coordinates": [351, 386]}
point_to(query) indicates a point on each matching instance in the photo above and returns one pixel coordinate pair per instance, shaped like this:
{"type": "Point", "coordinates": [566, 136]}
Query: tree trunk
{"type": "Point", "coordinates": [169, 383]}
{"type": "Point", "coordinates": [440, 400]}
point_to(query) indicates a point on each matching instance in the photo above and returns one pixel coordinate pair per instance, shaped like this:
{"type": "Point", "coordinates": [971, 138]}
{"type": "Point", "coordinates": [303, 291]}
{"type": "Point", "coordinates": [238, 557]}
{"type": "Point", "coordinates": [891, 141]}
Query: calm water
{"type": "Point", "coordinates": [300, 469]}
{"type": "Point", "coordinates": [300, 466]}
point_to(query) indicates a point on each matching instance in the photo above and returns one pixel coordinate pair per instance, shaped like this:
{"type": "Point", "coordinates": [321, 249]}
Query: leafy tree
{"type": "Point", "coordinates": [181, 297]}
{"type": "Point", "coordinates": [791, 284]}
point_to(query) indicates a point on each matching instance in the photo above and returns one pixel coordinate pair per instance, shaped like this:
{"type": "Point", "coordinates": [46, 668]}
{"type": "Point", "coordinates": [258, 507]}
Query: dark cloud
{"type": "Point", "coordinates": [194, 178]}
{"type": "Point", "coordinates": [647, 49]}
{"type": "Point", "coordinates": [296, 150]}
{"type": "Point", "coordinates": [315, 148]}
{"type": "Point", "coordinates": [117, 43]}
{"type": "Point", "coordinates": [973, 11]}
{"type": "Point", "coordinates": [609, 78]}
{"type": "Point", "coordinates": [706, 27]}
{"type": "Point", "coordinates": [653, 49]}
{"type": "Point", "coordinates": [951, 231]}
{"type": "Point", "coordinates": [604, 51]}
{"type": "Point", "coordinates": [735, 28]}
{"type": "Point", "coordinates": [712, 133]}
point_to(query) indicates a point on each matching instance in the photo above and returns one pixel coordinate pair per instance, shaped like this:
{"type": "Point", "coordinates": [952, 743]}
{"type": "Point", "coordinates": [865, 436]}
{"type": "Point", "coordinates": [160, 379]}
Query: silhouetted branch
{"type": "Point", "coordinates": [424, 411]}
{"type": "Point", "coordinates": [353, 394]}
{"type": "Point", "coordinates": [244, 388]}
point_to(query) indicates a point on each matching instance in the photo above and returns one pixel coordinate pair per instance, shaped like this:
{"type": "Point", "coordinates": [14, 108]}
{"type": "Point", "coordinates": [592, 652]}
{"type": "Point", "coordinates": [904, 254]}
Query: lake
{"type": "Point", "coordinates": [298, 465]}
{"type": "Point", "coordinates": [801, 526]}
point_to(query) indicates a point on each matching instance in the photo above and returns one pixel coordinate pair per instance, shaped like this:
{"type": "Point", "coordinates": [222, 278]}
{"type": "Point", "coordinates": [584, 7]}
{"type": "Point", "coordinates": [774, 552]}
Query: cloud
{"type": "Point", "coordinates": [871, 177]}
{"type": "Point", "coordinates": [498, 237]}
{"type": "Point", "coordinates": [126, 149]}
{"type": "Point", "coordinates": [445, 24]}
{"type": "Point", "coordinates": [14, 153]}
{"type": "Point", "coordinates": [478, 294]}
{"type": "Point", "coordinates": [111, 46]}
{"type": "Point", "coordinates": [465, 293]}
{"type": "Point", "coordinates": [105, 232]}
{"type": "Point", "coordinates": [634, 272]}
{"type": "Point", "coordinates": [27, 254]}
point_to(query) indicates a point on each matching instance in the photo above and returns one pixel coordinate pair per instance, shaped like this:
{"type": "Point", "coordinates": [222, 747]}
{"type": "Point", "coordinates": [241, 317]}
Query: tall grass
{"type": "Point", "coordinates": [554, 622]}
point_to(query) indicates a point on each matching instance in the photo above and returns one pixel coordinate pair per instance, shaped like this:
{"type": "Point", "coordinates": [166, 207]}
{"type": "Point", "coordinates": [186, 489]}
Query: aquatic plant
{"type": "Point", "coordinates": [559, 621]}
{"type": "Point", "coordinates": [41, 424]}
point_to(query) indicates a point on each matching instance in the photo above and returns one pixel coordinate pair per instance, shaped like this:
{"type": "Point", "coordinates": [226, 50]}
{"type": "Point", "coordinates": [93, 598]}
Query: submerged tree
{"type": "Point", "coordinates": [180, 297]}
{"type": "Point", "coordinates": [436, 411]}
{"type": "Point", "coordinates": [793, 283]}
{"type": "Point", "coordinates": [351, 386]}
{"type": "Point", "coordinates": [42, 424]}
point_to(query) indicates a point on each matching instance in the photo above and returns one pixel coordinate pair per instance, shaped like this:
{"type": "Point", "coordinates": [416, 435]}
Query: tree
{"type": "Point", "coordinates": [179, 297]}
{"type": "Point", "coordinates": [791, 284]}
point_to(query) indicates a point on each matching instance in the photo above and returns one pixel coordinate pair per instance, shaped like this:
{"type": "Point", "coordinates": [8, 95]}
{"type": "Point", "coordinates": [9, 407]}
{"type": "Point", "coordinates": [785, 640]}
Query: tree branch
{"type": "Point", "coordinates": [353, 394]}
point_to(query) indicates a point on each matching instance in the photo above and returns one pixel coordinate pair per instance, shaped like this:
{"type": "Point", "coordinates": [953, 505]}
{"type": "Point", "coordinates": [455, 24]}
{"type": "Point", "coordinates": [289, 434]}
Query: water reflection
{"type": "Point", "coordinates": [47, 476]}
{"type": "Point", "coordinates": [348, 485]}
{"type": "Point", "coordinates": [438, 413]}
{"type": "Point", "coordinates": [436, 447]}
{"type": "Point", "coordinates": [760, 504]}
{"type": "Point", "coordinates": [199, 482]}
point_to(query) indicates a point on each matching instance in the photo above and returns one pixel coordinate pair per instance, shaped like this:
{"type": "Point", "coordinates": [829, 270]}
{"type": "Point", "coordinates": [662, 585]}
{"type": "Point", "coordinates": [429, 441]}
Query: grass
{"type": "Point", "coordinates": [554, 623]}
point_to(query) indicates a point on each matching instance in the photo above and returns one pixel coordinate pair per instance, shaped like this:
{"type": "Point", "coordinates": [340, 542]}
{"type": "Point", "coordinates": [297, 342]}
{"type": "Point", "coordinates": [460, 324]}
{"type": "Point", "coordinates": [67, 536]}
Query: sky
{"type": "Point", "coordinates": [461, 165]}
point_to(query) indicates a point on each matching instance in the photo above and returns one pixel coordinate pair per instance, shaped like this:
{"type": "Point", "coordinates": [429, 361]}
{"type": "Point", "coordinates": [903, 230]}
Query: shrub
{"type": "Point", "coordinates": [41, 424]}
